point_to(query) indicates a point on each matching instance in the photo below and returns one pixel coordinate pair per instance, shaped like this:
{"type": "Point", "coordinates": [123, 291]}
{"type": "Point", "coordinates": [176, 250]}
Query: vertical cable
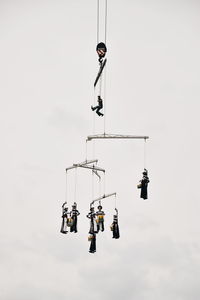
{"type": "Point", "coordinates": [104, 125]}
{"type": "Point", "coordinates": [66, 196]}
{"type": "Point", "coordinates": [144, 153]}
{"type": "Point", "coordinates": [106, 8]}
{"type": "Point", "coordinates": [75, 184]}
{"type": "Point", "coordinates": [97, 21]}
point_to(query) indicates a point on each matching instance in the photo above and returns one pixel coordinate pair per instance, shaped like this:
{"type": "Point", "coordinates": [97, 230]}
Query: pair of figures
{"type": "Point", "coordinates": [69, 219]}
{"type": "Point", "coordinates": [96, 224]}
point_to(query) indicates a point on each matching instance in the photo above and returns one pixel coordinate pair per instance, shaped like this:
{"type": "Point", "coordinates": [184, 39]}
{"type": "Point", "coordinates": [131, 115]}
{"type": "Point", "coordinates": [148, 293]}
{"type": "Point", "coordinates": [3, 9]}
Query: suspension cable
{"type": "Point", "coordinates": [106, 8]}
{"type": "Point", "coordinates": [66, 182]}
{"type": "Point", "coordinates": [75, 184]}
{"type": "Point", "coordinates": [97, 21]}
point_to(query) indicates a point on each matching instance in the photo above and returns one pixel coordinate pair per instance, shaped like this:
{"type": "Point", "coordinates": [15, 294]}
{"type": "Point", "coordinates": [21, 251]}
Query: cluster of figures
{"type": "Point", "coordinates": [97, 224]}
{"type": "Point", "coordinates": [69, 219]}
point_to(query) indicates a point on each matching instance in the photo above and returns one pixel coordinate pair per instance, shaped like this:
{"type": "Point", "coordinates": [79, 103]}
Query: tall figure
{"type": "Point", "coordinates": [93, 230]}
{"type": "Point", "coordinates": [65, 214]}
{"type": "Point", "coordinates": [100, 218]}
{"type": "Point", "coordinates": [143, 185]}
{"type": "Point", "coordinates": [74, 214]}
{"type": "Point", "coordinates": [114, 226]}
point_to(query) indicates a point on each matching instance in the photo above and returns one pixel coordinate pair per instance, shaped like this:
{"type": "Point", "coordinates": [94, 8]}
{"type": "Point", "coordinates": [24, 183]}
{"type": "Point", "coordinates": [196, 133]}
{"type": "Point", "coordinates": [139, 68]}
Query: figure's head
{"type": "Point", "coordinates": [99, 207]}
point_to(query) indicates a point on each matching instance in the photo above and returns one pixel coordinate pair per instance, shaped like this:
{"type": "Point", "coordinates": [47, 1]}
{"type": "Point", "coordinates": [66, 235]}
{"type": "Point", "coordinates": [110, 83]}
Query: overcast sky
{"type": "Point", "coordinates": [48, 64]}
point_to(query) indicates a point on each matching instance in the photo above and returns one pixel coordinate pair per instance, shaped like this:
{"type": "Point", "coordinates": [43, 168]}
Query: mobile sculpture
{"type": "Point", "coordinates": [96, 217]}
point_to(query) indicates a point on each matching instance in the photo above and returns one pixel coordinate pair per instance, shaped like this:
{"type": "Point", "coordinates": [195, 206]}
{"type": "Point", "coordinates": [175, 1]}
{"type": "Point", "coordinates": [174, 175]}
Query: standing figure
{"type": "Point", "coordinates": [98, 107]}
{"type": "Point", "coordinates": [143, 185]}
{"type": "Point", "coordinates": [73, 214]}
{"type": "Point", "coordinates": [101, 51]}
{"type": "Point", "coordinates": [93, 230]}
{"type": "Point", "coordinates": [65, 214]}
{"type": "Point", "coordinates": [100, 219]}
{"type": "Point", "coordinates": [115, 227]}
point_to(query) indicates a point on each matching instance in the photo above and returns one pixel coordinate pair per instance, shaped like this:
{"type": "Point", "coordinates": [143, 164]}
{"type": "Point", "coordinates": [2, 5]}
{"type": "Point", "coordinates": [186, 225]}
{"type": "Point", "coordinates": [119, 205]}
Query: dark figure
{"type": "Point", "coordinates": [92, 239]}
{"type": "Point", "coordinates": [93, 230]}
{"type": "Point", "coordinates": [98, 107]}
{"type": "Point", "coordinates": [100, 219]}
{"type": "Point", "coordinates": [115, 227]}
{"type": "Point", "coordinates": [101, 51]}
{"type": "Point", "coordinates": [65, 214]}
{"type": "Point", "coordinates": [144, 185]}
{"type": "Point", "coordinates": [93, 226]}
{"type": "Point", "coordinates": [73, 214]}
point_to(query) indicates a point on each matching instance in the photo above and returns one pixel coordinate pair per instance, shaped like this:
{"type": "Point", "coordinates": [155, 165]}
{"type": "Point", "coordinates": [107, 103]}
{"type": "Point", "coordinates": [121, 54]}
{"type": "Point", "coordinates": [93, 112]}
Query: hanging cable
{"type": "Point", "coordinates": [75, 184]}
{"type": "Point", "coordinates": [144, 153]}
{"type": "Point", "coordinates": [66, 182]}
{"type": "Point", "coordinates": [106, 8]}
{"type": "Point", "coordinates": [97, 21]}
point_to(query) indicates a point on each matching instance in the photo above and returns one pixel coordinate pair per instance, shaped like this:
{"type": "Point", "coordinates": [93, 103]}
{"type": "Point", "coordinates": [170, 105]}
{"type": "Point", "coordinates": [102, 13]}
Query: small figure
{"type": "Point", "coordinates": [115, 227]}
{"type": "Point", "coordinates": [101, 51]}
{"type": "Point", "coordinates": [143, 185]}
{"type": "Point", "coordinates": [73, 214]}
{"type": "Point", "coordinates": [65, 214]}
{"type": "Point", "coordinates": [100, 219]}
{"type": "Point", "coordinates": [98, 107]}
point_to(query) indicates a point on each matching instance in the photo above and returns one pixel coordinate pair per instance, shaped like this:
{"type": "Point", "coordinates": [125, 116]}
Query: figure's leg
{"type": "Point", "coordinates": [94, 107]}
{"type": "Point", "coordinates": [98, 111]}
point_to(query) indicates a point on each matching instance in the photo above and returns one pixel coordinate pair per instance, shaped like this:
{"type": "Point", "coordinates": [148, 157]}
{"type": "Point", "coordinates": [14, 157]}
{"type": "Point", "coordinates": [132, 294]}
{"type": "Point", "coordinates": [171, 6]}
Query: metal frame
{"type": "Point", "coordinates": [102, 197]}
{"type": "Point", "coordinates": [115, 136]}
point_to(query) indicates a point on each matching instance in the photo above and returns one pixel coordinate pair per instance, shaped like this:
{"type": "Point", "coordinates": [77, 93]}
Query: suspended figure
{"type": "Point", "coordinates": [100, 219]}
{"type": "Point", "coordinates": [98, 107]}
{"type": "Point", "coordinates": [74, 214]}
{"type": "Point", "coordinates": [114, 226]}
{"type": "Point", "coordinates": [65, 218]}
{"type": "Point", "coordinates": [93, 230]}
{"type": "Point", "coordinates": [143, 185]}
{"type": "Point", "coordinates": [101, 51]}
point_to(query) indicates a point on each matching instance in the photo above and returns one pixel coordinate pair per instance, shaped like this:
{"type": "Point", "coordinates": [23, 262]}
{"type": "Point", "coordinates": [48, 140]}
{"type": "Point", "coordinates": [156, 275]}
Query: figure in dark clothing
{"type": "Point", "coordinates": [101, 51]}
{"type": "Point", "coordinates": [98, 107]}
{"type": "Point", "coordinates": [73, 214]}
{"type": "Point", "coordinates": [65, 214]}
{"type": "Point", "coordinates": [143, 185]}
{"type": "Point", "coordinates": [115, 227]}
{"type": "Point", "coordinates": [100, 219]}
{"type": "Point", "coordinates": [92, 239]}
{"type": "Point", "coordinates": [93, 230]}
{"type": "Point", "coordinates": [93, 225]}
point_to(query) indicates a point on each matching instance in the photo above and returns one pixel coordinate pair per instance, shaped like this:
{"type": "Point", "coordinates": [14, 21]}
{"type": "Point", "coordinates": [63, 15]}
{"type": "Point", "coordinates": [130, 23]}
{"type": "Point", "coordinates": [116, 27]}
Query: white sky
{"type": "Point", "coordinates": [48, 65]}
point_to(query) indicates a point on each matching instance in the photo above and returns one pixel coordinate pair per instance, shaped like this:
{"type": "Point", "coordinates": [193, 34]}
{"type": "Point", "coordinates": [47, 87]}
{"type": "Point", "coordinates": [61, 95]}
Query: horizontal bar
{"type": "Point", "coordinates": [86, 162]}
{"type": "Point", "coordinates": [116, 136]}
{"type": "Point", "coordinates": [89, 167]}
{"type": "Point", "coordinates": [104, 196]}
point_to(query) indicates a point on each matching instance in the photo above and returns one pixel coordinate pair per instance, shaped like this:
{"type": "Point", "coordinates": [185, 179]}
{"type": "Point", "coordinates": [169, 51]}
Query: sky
{"type": "Point", "coordinates": [48, 66]}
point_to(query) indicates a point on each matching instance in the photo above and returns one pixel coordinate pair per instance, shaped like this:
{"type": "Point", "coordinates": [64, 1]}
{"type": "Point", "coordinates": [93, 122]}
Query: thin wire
{"type": "Point", "coordinates": [104, 187]}
{"type": "Point", "coordinates": [115, 201]}
{"type": "Point", "coordinates": [75, 185]}
{"type": "Point", "coordinates": [97, 21]}
{"type": "Point", "coordinates": [86, 150]}
{"type": "Point", "coordinates": [106, 8]}
{"type": "Point", "coordinates": [99, 187]}
{"type": "Point", "coordinates": [104, 125]}
{"type": "Point", "coordinates": [144, 153]}
{"type": "Point", "coordinates": [66, 196]}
